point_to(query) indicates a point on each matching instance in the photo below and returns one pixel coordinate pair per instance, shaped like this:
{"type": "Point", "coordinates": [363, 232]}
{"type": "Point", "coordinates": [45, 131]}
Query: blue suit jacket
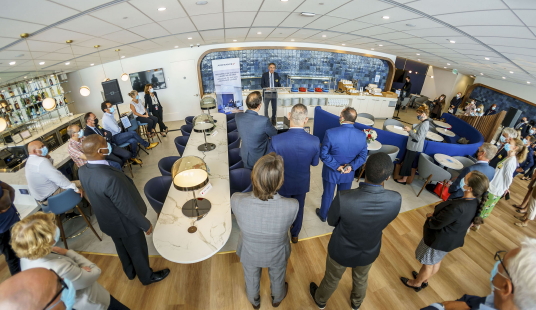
{"type": "Point", "coordinates": [342, 145]}
{"type": "Point", "coordinates": [255, 131]}
{"type": "Point", "coordinates": [455, 190]}
{"type": "Point", "coordinates": [299, 150]}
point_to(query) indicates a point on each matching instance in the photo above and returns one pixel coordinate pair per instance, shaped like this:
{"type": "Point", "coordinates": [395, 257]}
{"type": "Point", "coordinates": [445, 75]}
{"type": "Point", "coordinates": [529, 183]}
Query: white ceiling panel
{"type": "Point", "coordinates": [123, 36]}
{"type": "Point", "coordinates": [208, 21]}
{"type": "Point", "coordinates": [55, 57]}
{"type": "Point", "coordinates": [178, 25]}
{"type": "Point", "coordinates": [393, 36]}
{"type": "Point", "coordinates": [372, 31]}
{"type": "Point", "coordinates": [77, 49]}
{"type": "Point", "coordinates": [321, 7]}
{"type": "Point", "coordinates": [58, 35]}
{"type": "Point", "coordinates": [521, 4]}
{"type": "Point", "coordinates": [6, 41]}
{"type": "Point", "coordinates": [264, 32]}
{"type": "Point", "coordinates": [512, 42]}
{"type": "Point", "coordinates": [147, 45]}
{"type": "Point", "coordinates": [104, 43]}
{"type": "Point", "coordinates": [81, 5]}
{"type": "Point", "coordinates": [32, 11]}
{"type": "Point", "coordinates": [196, 38]}
{"type": "Point", "coordinates": [395, 15]}
{"type": "Point", "coordinates": [433, 32]}
{"type": "Point", "coordinates": [326, 22]}
{"type": "Point", "coordinates": [279, 6]}
{"type": "Point", "coordinates": [150, 31]}
{"type": "Point", "coordinates": [239, 19]}
{"type": "Point", "coordinates": [527, 16]}
{"type": "Point", "coordinates": [491, 18]}
{"type": "Point", "coordinates": [438, 7]}
{"type": "Point", "coordinates": [16, 55]}
{"type": "Point", "coordinates": [123, 15]}
{"type": "Point", "coordinates": [304, 33]}
{"type": "Point", "coordinates": [282, 32]}
{"type": "Point", "coordinates": [242, 5]}
{"type": "Point", "coordinates": [150, 8]}
{"type": "Point", "coordinates": [89, 25]}
{"type": "Point", "coordinates": [499, 31]}
{"type": "Point", "coordinates": [236, 33]}
{"type": "Point", "coordinates": [358, 8]}
{"type": "Point", "coordinates": [211, 7]}
{"type": "Point", "coordinates": [350, 26]}
{"type": "Point", "coordinates": [296, 20]}
{"type": "Point", "coordinates": [13, 28]}
{"type": "Point", "coordinates": [267, 19]}
{"type": "Point", "coordinates": [210, 35]}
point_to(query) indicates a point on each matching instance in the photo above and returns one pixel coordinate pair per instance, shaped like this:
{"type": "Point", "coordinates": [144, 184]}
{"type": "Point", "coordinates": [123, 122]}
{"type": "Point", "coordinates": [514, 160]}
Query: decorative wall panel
{"type": "Point", "coordinates": [488, 96]}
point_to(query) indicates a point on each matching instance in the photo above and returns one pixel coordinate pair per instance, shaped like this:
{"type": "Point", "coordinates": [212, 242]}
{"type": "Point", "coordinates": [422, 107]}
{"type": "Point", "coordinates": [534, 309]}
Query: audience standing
{"type": "Point", "coordinates": [152, 103]}
{"type": "Point", "coordinates": [343, 150]}
{"type": "Point", "coordinates": [492, 110]}
{"type": "Point", "coordinates": [120, 211]}
{"type": "Point", "coordinates": [299, 150]}
{"type": "Point", "coordinates": [529, 160]}
{"type": "Point", "coordinates": [445, 229]}
{"type": "Point", "coordinates": [405, 91]}
{"type": "Point", "coordinates": [437, 107]}
{"type": "Point", "coordinates": [359, 217]}
{"type": "Point", "coordinates": [479, 110]}
{"type": "Point", "coordinates": [470, 108]}
{"type": "Point", "coordinates": [33, 240]}
{"type": "Point", "coordinates": [455, 103]}
{"type": "Point", "coordinates": [137, 106]}
{"type": "Point", "coordinates": [8, 217]}
{"type": "Point", "coordinates": [255, 131]}
{"type": "Point", "coordinates": [264, 218]}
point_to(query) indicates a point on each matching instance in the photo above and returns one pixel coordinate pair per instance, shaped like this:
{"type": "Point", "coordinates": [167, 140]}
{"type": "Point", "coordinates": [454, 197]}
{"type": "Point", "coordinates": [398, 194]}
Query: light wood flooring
{"type": "Point", "coordinates": [217, 283]}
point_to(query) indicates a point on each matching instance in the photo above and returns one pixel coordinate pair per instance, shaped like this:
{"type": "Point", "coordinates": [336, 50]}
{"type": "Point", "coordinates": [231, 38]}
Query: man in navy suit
{"type": "Point", "coordinates": [299, 150]}
{"type": "Point", "coordinates": [485, 152]}
{"type": "Point", "coordinates": [270, 79]}
{"type": "Point", "coordinates": [344, 150]}
{"type": "Point", "coordinates": [255, 131]}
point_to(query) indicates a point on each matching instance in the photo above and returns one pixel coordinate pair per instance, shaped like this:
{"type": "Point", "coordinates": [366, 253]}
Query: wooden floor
{"type": "Point", "coordinates": [217, 283]}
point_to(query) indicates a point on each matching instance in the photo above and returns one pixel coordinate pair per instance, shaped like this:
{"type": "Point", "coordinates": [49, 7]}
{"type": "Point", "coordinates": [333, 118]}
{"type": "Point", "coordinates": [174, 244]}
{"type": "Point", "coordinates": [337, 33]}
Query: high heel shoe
{"type": "Point", "coordinates": [403, 183]}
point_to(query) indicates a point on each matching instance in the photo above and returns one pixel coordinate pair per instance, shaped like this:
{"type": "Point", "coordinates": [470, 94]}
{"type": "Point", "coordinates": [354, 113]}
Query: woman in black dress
{"type": "Point", "coordinates": [152, 104]}
{"type": "Point", "coordinates": [445, 229]}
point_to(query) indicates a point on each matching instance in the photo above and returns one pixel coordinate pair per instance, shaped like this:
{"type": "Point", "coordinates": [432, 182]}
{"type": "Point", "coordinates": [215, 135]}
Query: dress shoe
{"type": "Point", "coordinates": [131, 277]}
{"type": "Point", "coordinates": [415, 274]}
{"type": "Point", "coordinates": [136, 161]}
{"type": "Point", "coordinates": [405, 282]}
{"type": "Point", "coordinates": [294, 239]}
{"type": "Point", "coordinates": [276, 304]}
{"type": "Point", "coordinates": [354, 307]}
{"type": "Point", "coordinates": [152, 145]}
{"type": "Point", "coordinates": [312, 290]}
{"type": "Point", "coordinates": [258, 300]}
{"type": "Point", "coordinates": [319, 216]}
{"type": "Point", "coordinates": [159, 276]}
{"type": "Point", "coordinates": [403, 183]}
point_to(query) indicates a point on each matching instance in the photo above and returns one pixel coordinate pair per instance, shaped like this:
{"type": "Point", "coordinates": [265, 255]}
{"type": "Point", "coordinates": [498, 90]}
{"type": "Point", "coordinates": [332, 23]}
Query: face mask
{"type": "Point", "coordinates": [419, 117]}
{"type": "Point", "coordinates": [109, 148]}
{"type": "Point", "coordinates": [458, 95]}
{"type": "Point", "coordinates": [494, 272]}
{"type": "Point", "coordinates": [96, 121]}
{"type": "Point", "coordinates": [493, 108]}
{"type": "Point", "coordinates": [151, 90]}
{"type": "Point", "coordinates": [57, 235]}
{"type": "Point", "coordinates": [478, 109]}
{"type": "Point", "coordinates": [462, 184]}
{"type": "Point", "coordinates": [68, 296]}
{"type": "Point", "coordinates": [507, 147]}
{"type": "Point", "coordinates": [503, 139]}
{"type": "Point", "coordinates": [80, 134]}
{"type": "Point", "coordinates": [112, 109]}
{"type": "Point", "coordinates": [525, 141]}
{"type": "Point", "coordinates": [44, 151]}
{"type": "Point", "coordinates": [531, 132]}
{"type": "Point", "coordinates": [137, 97]}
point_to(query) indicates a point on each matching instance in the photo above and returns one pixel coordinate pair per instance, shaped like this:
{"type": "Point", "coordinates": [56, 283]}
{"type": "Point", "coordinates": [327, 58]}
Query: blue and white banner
{"type": "Point", "coordinates": [228, 85]}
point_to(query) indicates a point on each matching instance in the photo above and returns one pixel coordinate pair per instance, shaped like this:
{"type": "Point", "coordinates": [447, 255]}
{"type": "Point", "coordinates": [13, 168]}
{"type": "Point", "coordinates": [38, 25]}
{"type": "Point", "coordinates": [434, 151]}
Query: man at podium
{"type": "Point", "coordinates": [270, 79]}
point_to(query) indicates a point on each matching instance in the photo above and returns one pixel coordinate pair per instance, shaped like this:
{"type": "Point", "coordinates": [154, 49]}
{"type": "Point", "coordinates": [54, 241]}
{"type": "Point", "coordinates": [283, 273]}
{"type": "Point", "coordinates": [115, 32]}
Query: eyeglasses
{"type": "Point", "coordinates": [63, 286]}
{"type": "Point", "coordinates": [499, 256]}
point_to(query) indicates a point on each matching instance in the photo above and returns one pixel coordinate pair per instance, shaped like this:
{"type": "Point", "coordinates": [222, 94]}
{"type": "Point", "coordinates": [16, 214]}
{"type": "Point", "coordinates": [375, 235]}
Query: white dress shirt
{"type": "Point", "coordinates": [98, 162]}
{"type": "Point", "coordinates": [139, 107]}
{"type": "Point", "coordinates": [109, 123]}
{"type": "Point", "coordinates": [44, 179]}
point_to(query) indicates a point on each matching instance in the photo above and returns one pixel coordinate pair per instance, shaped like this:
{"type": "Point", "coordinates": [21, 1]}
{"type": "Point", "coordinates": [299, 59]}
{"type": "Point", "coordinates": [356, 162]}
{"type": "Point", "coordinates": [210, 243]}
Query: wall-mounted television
{"type": "Point", "coordinates": [138, 80]}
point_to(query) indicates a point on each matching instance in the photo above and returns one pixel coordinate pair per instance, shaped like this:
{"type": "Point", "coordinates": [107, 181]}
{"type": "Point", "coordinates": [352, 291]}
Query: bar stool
{"type": "Point", "coordinates": [156, 191]}
{"type": "Point", "coordinates": [63, 202]}
{"type": "Point", "coordinates": [128, 163]}
{"type": "Point", "coordinates": [235, 161]}
{"type": "Point", "coordinates": [233, 140]}
{"type": "Point", "coordinates": [239, 180]}
{"type": "Point", "coordinates": [186, 130]}
{"type": "Point", "coordinates": [143, 131]}
{"type": "Point", "coordinates": [230, 117]}
{"type": "Point", "coordinates": [134, 126]}
{"type": "Point", "coordinates": [189, 120]}
{"type": "Point", "coordinates": [165, 164]}
{"type": "Point", "coordinates": [231, 127]}
{"type": "Point", "coordinates": [180, 143]}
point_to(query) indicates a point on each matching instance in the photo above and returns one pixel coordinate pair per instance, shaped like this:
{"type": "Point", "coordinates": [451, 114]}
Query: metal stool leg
{"type": "Point", "coordinates": [62, 232]}
{"type": "Point", "coordinates": [88, 222]}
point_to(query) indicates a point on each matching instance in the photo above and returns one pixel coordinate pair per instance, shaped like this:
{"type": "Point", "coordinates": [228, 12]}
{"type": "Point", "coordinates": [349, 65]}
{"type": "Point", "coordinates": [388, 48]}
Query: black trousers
{"type": "Point", "coordinates": [158, 115]}
{"type": "Point", "coordinates": [119, 155]}
{"type": "Point", "coordinates": [134, 255]}
{"type": "Point", "coordinates": [151, 122]}
{"type": "Point", "coordinates": [12, 260]}
{"type": "Point", "coordinates": [405, 170]}
{"type": "Point", "coordinates": [270, 97]}
{"type": "Point", "coordinates": [116, 304]}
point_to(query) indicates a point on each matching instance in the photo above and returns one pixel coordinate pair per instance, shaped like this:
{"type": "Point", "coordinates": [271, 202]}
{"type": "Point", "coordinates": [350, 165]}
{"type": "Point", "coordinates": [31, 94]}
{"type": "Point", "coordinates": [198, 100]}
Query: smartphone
{"type": "Point", "coordinates": [24, 191]}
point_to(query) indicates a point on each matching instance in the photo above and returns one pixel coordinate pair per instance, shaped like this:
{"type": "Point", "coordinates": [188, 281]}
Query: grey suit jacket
{"type": "Point", "coordinates": [264, 228]}
{"type": "Point", "coordinates": [90, 294]}
{"type": "Point", "coordinates": [417, 136]}
{"type": "Point", "coordinates": [255, 131]}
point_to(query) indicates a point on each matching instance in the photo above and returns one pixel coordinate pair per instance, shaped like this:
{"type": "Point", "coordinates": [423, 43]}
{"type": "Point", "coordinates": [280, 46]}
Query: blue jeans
{"type": "Point", "coordinates": [114, 164]}
{"type": "Point", "coordinates": [131, 138]}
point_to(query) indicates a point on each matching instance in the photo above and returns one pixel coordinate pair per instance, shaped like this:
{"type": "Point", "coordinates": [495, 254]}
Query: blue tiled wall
{"type": "Point", "coordinates": [488, 97]}
{"type": "Point", "coordinates": [298, 63]}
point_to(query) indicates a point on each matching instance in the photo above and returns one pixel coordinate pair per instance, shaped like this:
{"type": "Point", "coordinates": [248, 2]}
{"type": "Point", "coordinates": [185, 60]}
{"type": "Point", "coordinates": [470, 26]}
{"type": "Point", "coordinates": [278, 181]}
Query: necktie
{"type": "Point", "coordinates": [271, 80]}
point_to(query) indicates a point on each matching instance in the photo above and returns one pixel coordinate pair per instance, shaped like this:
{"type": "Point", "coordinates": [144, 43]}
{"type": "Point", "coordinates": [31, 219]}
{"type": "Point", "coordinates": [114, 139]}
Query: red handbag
{"type": "Point", "coordinates": [302, 89]}
{"type": "Point", "coordinates": [442, 190]}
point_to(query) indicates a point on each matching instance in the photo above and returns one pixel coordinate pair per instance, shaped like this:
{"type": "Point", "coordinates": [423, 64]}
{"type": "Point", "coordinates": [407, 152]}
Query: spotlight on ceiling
{"type": "Point", "coordinates": [511, 71]}
{"type": "Point", "coordinates": [385, 17]}
{"type": "Point", "coordinates": [191, 45]}
{"type": "Point", "coordinates": [12, 63]}
{"type": "Point", "coordinates": [234, 40]}
{"type": "Point", "coordinates": [432, 76]}
{"type": "Point", "coordinates": [176, 46]}
{"type": "Point", "coordinates": [292, 40]}
{"type": "Point", "coordinates": [486, 58]}
{"type": "Point", "coordinates": [323, 36]}
{"type": "Point", "coordinates": [343, 44]}
{"type": "Point", "coordinates": [481, 73]}
{"type": "Point", "coordinates": [92, 64]}
{"type": "Point", "coordinates": [451, 41]}
{"type": "Point", "coordinates": [284, 0]}
{"type": "Point", "coordinates": [42, 63]}
{"type": "Point", "coordinates": [308, 14]}
{"type": "Point", "coordinates": [161, 9]}
{"type": "Point", "coordinates": [189, 38]}
{"type": "Point", "coordinates": [418, 54]}
{"type": "Point", "coordinates": [380, 44]}
{"type": "Point", "coordinates": [448, 64]}
{"type": "Point", "coordinates": [409, 71]}
{"type": "Point", "coordinates": [504, 77]}
{"type": "Point", "coordinates": [122, 56]}
{"type": "Point", "coordinates": [25, 77]}
{"type": "Point", "coordinates": [259, 32]}
{"type": "Point", "coordinates": [67, 63]}
{"type": "Point", "coordinates": [418, 59]}
{"type": "Point", "coordinates": [445, 67]}
{"type": "Point", "coordinates": [528, 82]}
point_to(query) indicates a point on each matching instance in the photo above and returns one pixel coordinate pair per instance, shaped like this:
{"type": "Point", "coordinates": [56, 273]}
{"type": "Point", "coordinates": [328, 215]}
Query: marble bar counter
{"type": "Point", "coordinates": [171, 237]}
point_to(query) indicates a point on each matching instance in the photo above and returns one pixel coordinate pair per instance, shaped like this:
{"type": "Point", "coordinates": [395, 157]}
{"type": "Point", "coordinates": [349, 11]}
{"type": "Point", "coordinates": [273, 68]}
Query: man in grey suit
{"type": "Point", "coordinates": [255, 131]}
{"type": "Point", "coordinates": [120, 210]}
{"type": "Point", "coordinates": [359, 217]}
{"type": "Point", "coordinates": [264, 218]}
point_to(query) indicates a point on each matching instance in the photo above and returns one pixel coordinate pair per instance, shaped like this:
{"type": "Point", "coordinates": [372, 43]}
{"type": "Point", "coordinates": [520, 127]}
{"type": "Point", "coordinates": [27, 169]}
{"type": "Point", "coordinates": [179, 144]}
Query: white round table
{"type": "Point", "coordinates": [374, 145]}
{"type": "Point", "coordinates": [448, 161]}
{"type": "Point", "coordinates": [364, 121]}
{"type": "Point", "coordinates": [434, 136]}
{"type": "Point", "coordinates": [392, 128]}
{"type": "Point", "coordinates": [442, 124]}
{"type": "Point", "coordinates": [445, 132]}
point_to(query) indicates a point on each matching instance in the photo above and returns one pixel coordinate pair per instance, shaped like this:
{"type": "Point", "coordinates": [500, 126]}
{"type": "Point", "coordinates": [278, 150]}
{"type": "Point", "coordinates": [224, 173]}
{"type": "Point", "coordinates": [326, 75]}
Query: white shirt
{"type": "Point", "coordinates": [504, 175]}
{"type": "Point", "coordinates": [140, 106]}
{"type": "Point", "coordinates": [44, 179]}
{"type": "Point", "coordinates": [98, 162]}
{"type": "Point", "coordinates": [109, 123]}
{"type": "Point", "coordinates": [155, 101]}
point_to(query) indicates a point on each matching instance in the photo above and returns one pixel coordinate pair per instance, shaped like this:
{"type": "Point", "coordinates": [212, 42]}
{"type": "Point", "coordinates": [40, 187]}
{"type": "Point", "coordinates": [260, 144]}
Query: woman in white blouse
{"type": "Point", "coordinates": [137, 105]}
{"type": "Point", "coordinates": [470, 108]}
{"type": "Point", "coordinates": [33, 240]}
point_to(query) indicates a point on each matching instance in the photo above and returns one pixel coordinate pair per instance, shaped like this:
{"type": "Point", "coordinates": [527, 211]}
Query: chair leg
{"type": "Point", "coordinates": [140, 147]}
{"type": "Point", "coordinates": [62, 232]}
{"type": "Point", "coordinates": [361, 172]}
{"type": "Point", "coordinates": [88, 222]}
{"type": "Point", "coordinates": [425, 183]}
{"type": "Point", "coordinates": [129, 165]}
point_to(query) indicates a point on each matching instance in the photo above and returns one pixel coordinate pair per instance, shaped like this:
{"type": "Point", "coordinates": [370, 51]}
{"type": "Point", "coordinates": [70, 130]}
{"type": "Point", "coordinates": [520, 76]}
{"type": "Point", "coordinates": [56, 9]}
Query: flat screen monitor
{"type": "Point", "coordinates": [142, 78]}
{"type": "Point", "coordinates": [399, 75]}
{"type": "Point", "coordinates": [25, 134]}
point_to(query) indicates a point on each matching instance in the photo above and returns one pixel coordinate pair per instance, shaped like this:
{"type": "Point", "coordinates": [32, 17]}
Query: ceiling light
{"type": "Point", "coordinates": [372, 49]}
{"type": "Point", "coordinates": [25, 77]}
{"type": "Point", "coordinates": [343, 44]}
{"type": "Point", "coordinates": [486, 58]}
{"type": "Point", "coordinates": [259, 32]}
{"type": "Point", "coordinates": [234, 40]}
{"type": "Point", "coordinates": [189, 38]}
{"type": "Point", "coordinates": [284, 0]}
{"type": "Point", "coordinates": [124, 76]}
{"type": "Point", "coordinates": [445, 67]}
{"type": "Point", "coordinates": [418, 59]}
{"type": "Point", "coordinates": [201, 2]}
{"type": "Point", "coordinates": [380, 44]}
{"type": "Point", "coordinates": [84, 91]}
{"type": "Point", "coordinates": [504, 77]}
{"type": "Point", "coordinates": [92, 64]}
{"type": "Point", "coordinates": [452, 41]}
{"type": "Point", "coordinates": [67, 63]}
{"type": "Point", "coordinates": [308, 14]}
{"type": "Point", "coordinates": [42, 63]}
{"type": "Point", "coordinates": [432, 76]}
{"type": "Point", "coordinates": [385, 17]}
{"type": "Point", "coordinates": [122, 56]}
{"type": "Point", "coordinates": [511, 71]}
{"type": "Point", "coordinates": [416, 72]}
{"type": "Point", "coordinates": [481, 73]}
{"type": "Point", "coordinates": [176, 46]}
{"type": "Point", "coordinates": [161, 9]}
{"type": "Point", "coordinates": [409, 71]}
{"type": "Point", "coordinates": [291, 39]}
{"type": "Point", "coordinates": [418, 54]}
{"type": "Point", "coordinates": [448, 64]}
{"type": "Point", "coordinates": [49, 104]}
{"type": "Point", "coordinates": [323, 36]}
{"type": "Point", "coordinates": [528, 82]}
{"type": "Point", "coordinates": [12, 63]}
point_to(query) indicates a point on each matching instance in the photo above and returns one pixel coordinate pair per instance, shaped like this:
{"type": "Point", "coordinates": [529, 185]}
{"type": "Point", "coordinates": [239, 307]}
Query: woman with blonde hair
{"type": "Point", "coordinates": [503, 178]}
{"type": "Point", "coordinates": [470, 108]}
{"type": "Point", "coordinates": [415, 143]}
{"type": "Point", "coordinates": [33, 240]}
{"type": "Point", "coordinates": [137, 105]}
{"type": "Point", "coordinates": [479, 110]}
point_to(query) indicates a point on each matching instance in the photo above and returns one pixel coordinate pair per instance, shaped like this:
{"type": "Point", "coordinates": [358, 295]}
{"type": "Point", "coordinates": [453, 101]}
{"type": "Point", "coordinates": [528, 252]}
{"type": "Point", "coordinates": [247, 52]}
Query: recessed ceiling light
{"type": "Point", "coordinates": [189, 38]}
{"type": "Point", "coordinates": [176, 46]}
{"type": "Point", "coordinates": [122, 56]}
{"type": "Point", "coordinates": [308, 14]}
{"type": "Point", "coordinates": [380, 44]}
{"type": "Point", "coordinates": [432, 76]}
{"type": "Point", "coordinates": [528, 82]}
{"type": "Point", "coordinates": [486, 58]}
{"type": "Point", "coordinates": [448, 64]}
{"type": "Point", "coordinates": [416, 72]}
{"type": "Point", "coordinates": [452, 41]}
{"type": "Point", "coordinates": [67, 63]}
{"type": "Point", "coordinates": [25, 77]}
{"type": "Point", "coordinates": [161, 9]}
{"type": "Point", "coordinates": [12, 63]}
{"type": "Point", "coordinates": [284, 0]}
{"type": "Point", "coordinates": [92, 64]}
{"type": "Point", "coordinates": [259, 32]}
{"type": "Point", "coordinates": [372, 49]}
{"type": "Point", "coordinates": [511, 71]}
{"type": "Point", "coordinates": [323, 36]}
{"type": "Point", "coordinates": [201, 2]}
{"type": "Point", "coordinates": [481, 73]}
{"type": "Point", "coordinates": [343, 44]}
{"type": "Point", "coordinates": [42, 63]}
{"type": "Point", "coordinates": [291, 39]}
{"type": "Point", "coordinates": [504, 77]}
{"type": "Point", "coordinates": [234, 40]}
{"type": "Point", "coordinates": [409, 71]}
{"type": "Point", "coordinates": [418, 54]}
{"type": "Point", "coordinates": [418, 59]}
{"type": "Point", "coordinates": [385, 17]}
{"type": "Point", "coordinates": [445, 67]}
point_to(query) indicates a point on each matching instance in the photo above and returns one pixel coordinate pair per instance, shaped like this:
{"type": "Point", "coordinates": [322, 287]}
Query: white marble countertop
{"type": "Point", "coordinates": [171, 238]}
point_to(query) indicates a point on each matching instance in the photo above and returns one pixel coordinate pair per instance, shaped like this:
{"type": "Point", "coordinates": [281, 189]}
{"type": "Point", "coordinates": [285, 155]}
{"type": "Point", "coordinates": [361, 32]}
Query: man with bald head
{"type": "Point", "coordinates": [44, 180]}
{"type": "Point", "coordinates": [32, 289]}
{"type": "Point", "coordinates": [120, 210]}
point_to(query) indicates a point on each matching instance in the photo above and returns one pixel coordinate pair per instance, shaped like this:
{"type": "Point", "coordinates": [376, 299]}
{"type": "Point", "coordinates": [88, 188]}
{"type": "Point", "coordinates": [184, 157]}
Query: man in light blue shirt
{"type": "Point", "coordinates": [118, 137]}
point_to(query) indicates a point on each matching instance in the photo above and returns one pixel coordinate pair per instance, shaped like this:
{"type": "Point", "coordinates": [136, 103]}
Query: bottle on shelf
{"type": "Point", "coordinates": [17, 106]}
{"type": "Point", "coordinates": [51, 83]}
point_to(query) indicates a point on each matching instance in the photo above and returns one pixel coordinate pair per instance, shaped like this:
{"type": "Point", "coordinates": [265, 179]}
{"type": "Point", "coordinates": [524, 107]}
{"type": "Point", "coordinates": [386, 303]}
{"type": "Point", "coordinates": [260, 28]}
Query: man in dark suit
{"type": "Point", "coordinates": [406, 88]}
{"type": "Point", "coordinates": [119, 155]}
{"type": "Point", "coordinates": [299, 150]}
{"type": "Point", "coordinates": [255, 130]}
{"type": "Point", "coordinates": [270, 79]}
{"type": "Point", "coordinates": [120, 211]}
{"type": "Point", "coordinates": [359, 216]}
{"type": "Point", "coordinates": [344, 150]}
{"type": "Point", "coordinates": [483, 155]}
{"type": "Point", "coordinates": [455, 103]}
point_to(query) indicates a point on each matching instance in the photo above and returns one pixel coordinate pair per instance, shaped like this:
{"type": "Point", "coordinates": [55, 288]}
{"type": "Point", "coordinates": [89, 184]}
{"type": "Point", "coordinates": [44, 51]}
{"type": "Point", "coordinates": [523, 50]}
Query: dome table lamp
{"type": "Point", "coordinates": [208, 103]}
{"type": "Point", "coordinates": [189, 173]}
{"type": "Point", "coordinates": [204, 123]}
